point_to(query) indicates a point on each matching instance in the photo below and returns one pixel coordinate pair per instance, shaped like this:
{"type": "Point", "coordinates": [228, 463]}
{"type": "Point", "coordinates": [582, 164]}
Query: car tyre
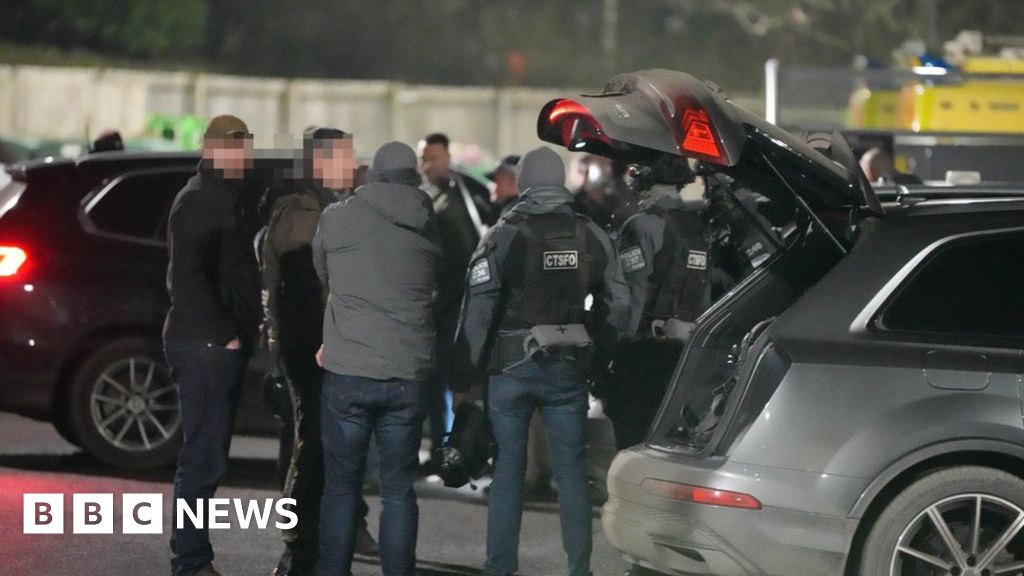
{"type": "Point", "coordinates": [907, 537]}
{"type": "Point", "coordinates": [123, 406]}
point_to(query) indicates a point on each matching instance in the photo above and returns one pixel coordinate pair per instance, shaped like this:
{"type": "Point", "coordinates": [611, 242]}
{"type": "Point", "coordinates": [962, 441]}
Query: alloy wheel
{"type": "Point", "coordinates": [134, 405]}
{"type": "Point", "coordinates": [963, 535]}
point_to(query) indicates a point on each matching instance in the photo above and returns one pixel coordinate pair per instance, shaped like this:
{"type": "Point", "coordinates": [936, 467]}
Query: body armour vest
{"type": "Point", "coordinates": [681, 268]}
{"type": "Point", "coordinates": [549, 281]}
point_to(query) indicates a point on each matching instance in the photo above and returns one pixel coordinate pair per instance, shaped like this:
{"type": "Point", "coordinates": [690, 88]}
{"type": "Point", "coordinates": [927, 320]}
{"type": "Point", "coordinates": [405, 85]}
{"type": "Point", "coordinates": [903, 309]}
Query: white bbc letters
{"type": "Point", "coordinates": [92, 514]}
{"type": "Point", "coordinates": [142, 514]}
{"type": "Point", "coordinates": [43, 513]}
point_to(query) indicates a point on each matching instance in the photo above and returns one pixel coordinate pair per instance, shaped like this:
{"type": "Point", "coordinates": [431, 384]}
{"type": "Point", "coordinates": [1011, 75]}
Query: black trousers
{"type": "Point", "coordinates": [304, 479]}
{"type": "Point", "coordinates": [643, 372]}
{"type": "Point", "coordinates": [209, 379]}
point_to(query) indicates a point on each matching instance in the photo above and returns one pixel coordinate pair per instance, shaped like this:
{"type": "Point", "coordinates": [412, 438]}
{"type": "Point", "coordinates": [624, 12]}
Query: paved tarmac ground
{"type": "Point", "coordinates": [33, 458]}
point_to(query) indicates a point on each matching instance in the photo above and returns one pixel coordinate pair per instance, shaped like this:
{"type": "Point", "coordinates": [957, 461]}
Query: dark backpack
{"type": "Point", "coordinates": [469, 448]}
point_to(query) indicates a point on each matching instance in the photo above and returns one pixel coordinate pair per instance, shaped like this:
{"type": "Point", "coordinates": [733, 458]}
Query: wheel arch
{"type": "Point", "coordinates": [997, 454]}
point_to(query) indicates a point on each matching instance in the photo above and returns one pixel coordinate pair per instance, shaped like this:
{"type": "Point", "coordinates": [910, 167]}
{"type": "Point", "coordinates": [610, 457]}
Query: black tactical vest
{"type": "Point", "coordinates": [549, 281]}
{"type": "Point", "coordinates": [681, 268]}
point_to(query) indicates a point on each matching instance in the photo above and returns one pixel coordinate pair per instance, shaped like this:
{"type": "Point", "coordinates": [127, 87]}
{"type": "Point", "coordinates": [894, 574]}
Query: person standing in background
{"type": "Point", "coordinates": [505, 193]}
{"type": "Point", "coordinates": [462, 217]}
{"type": "Point", "coordinates": [665, 256]}
{"type": "Point", "coordinates": [214, 285]}
{"type": "Point", "coordinates": [294, 301]}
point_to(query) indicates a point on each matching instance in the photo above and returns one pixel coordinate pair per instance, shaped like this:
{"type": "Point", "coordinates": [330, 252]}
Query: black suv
{"type": "Point", "coordinates": [853, 404]}
{"type": "Point", "coordinates": [83, 262]}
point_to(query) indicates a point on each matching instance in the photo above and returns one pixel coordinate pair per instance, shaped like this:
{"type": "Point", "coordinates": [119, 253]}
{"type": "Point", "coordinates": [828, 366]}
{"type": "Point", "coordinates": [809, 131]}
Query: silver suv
{"type": "Point", "coordinates": [852, 406]}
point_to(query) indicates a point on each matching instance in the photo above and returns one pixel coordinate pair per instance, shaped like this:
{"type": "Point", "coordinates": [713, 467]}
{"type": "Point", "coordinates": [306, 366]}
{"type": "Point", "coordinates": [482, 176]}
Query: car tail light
{"type": "Point", "coordinates": [567, 107]}
{"type": "Point", "coordinates": [699, 494]}
{"type": "Point", "coordinates": [572, 125]}
{"type": "Point", "coordinates": [698, 136]}
{"type": "Point", "coordinates": [13, 261]}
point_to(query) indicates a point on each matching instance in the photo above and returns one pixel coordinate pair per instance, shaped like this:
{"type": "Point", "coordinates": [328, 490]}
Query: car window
{"type": "Point", "coordinates": [971, 288]}
{"type": "Point", "coordinates": [137, 205]}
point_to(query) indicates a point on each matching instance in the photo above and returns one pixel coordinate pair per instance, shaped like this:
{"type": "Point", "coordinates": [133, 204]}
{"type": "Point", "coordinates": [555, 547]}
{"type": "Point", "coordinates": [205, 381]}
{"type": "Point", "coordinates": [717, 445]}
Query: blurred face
{"type": "Point", "coordinates": [232, 157]}
{"type": "Point", "coordinates": [434, 162]}
{"type": "Point", "coordinates": [597, 174]}
{"type": "Point", "coordinates": [334, 164]}
{"type": "Point", "coordinates": [505, 188]}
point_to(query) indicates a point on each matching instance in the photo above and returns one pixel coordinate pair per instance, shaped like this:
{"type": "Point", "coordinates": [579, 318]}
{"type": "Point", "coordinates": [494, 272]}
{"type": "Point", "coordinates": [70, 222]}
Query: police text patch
{"type": "Point", "coordinates": [480, 273]}
{"type": "Point", "coordinates": [562, 260]}
{"type": "Point", "coordinates": [632, 259]}
{"type": "Point", "coordinates": [697, 260]}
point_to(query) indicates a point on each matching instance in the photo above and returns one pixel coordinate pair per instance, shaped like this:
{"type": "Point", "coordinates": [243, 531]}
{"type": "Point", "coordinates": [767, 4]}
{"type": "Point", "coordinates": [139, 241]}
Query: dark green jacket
{"type": "Point", "coordinates": [293, 296]}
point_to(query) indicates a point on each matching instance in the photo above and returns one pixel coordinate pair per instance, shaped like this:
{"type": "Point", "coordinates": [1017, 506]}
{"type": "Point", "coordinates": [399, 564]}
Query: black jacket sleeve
{"type": "Point", "coordinates": [611, 315]}
{"type": "Point", "coordinates": [641, 239]}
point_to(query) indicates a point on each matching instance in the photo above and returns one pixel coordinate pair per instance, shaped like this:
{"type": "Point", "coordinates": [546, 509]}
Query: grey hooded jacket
{"type": "Point", "coordinates": [378, 252]}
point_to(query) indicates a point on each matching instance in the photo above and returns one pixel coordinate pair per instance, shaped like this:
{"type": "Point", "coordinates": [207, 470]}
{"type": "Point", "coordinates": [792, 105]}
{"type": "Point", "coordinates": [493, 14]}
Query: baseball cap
{"type": "Point", "coordinates": [508, 164]}
{"type": "Point", "coordinates": [226, 126]}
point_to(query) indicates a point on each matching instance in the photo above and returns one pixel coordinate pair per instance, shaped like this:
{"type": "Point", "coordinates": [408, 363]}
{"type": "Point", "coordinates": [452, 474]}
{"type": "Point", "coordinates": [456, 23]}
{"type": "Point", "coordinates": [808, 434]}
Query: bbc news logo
{"type": "Point", "coordinates": [144, 513]}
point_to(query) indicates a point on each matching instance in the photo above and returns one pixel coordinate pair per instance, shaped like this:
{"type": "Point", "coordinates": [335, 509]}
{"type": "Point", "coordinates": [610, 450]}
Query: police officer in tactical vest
{"type": "Point", "coordinates": [663, 250]}
{"type": "Point", "coordinates": [526, 321]}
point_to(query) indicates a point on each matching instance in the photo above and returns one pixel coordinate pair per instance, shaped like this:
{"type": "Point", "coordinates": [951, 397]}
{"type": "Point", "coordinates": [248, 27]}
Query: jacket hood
{"type": "Point", "coordinates": [395, 163]}
{"type": "Point", "coordinates": [400, 204]}
{"type": "Point", "coordinates": [540, 168]}
{"type": "Point", "coordinates": [543, 200]}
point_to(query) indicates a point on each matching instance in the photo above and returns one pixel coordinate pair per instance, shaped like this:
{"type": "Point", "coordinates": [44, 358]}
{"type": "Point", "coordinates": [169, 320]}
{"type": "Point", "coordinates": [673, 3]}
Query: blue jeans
{"type": "Point", "coordinates": [352, 408]}
{"type": "Point", "coordinates": [209, 379]}
{"type": "Point", "coordinates": [559, 390]}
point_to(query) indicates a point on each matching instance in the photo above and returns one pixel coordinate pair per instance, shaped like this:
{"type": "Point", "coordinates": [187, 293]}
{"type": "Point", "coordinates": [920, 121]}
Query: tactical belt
{"type": "Point", "coordinates": [508, 350]}
{"type": "Point", "coordinates": [513, 348]}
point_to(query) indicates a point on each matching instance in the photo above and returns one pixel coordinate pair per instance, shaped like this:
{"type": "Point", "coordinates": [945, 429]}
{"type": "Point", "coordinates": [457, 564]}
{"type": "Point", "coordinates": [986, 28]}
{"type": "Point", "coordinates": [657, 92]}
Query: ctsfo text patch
{"type": "Point", "coordinates": [562, 260]}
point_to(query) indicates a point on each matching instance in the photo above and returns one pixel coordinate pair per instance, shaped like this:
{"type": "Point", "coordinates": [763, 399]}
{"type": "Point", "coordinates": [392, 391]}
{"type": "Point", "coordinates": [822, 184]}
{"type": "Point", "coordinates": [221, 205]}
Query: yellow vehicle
{"type": "Point", "coordinates": [985, 95]}
{"type": "Point", "coordinates": [877, 109]}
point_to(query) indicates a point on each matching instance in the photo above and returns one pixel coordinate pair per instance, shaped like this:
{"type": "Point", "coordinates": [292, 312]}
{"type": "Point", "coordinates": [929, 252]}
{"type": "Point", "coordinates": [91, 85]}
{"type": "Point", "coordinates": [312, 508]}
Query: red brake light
{"type": "Point", "coordinates": [699, 494]}
{"type": "Point", "coordinates": [12, 259]}
{"type": "Point", "coordinates": [572, 125]}
{"type": "Point", "coordinates": [564, 107]}
{"type": "Point", "coordinates": [697, 134]}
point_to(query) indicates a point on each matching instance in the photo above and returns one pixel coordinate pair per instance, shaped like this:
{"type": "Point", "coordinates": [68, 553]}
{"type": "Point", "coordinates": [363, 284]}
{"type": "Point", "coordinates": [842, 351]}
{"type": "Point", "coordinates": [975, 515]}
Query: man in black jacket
{"type": "Point", "coordinates": [463, 215]}
{"type": "Point", "coordinates": [214, 284]}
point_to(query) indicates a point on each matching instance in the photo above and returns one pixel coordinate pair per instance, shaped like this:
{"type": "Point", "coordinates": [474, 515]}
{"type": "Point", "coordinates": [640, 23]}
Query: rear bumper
{"type": "Point", "coordinates": [34, 333]}
{"type": "Point", "coordinates": [680, 538]}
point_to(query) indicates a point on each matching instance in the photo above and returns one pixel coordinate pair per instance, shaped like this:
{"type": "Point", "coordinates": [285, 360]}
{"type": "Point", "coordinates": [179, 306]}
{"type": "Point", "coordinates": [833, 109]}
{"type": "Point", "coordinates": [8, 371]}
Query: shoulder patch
{"type": "Point", "coordinates": [632, 259]}
{"type": "Point", "coordinates": [480, 272]}
{"type": "Point", "coordinates": [697, 260]}
{"type": "Point", "coordinates": [562, 260]}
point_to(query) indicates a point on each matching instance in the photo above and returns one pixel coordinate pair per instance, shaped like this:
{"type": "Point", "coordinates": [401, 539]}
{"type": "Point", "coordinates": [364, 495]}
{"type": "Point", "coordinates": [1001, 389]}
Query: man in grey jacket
{"type": "Point", "coordinates": [378, 253]}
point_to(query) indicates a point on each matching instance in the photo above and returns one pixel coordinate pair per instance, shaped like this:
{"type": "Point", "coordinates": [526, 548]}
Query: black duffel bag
{"type": "Point", "coordinates": [469, 447]}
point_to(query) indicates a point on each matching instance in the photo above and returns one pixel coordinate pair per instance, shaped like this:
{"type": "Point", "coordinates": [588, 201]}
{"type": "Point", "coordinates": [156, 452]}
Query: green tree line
{"type": "Point", "coordinates": [495, 42]}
